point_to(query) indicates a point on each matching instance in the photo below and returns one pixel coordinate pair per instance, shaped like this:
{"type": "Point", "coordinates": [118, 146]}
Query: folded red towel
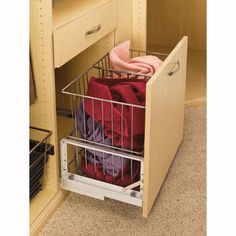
{"type": "Point", "coordinates": [119, 59]}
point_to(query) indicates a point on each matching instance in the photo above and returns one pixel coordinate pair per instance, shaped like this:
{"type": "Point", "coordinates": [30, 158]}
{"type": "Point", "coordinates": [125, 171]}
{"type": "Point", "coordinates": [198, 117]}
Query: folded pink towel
{"type": "Point", "coordinates": [119, 59]}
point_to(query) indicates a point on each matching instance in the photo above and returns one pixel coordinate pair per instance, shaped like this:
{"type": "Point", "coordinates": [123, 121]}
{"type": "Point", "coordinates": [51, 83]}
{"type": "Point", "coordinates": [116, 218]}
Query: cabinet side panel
{"type": "Point", "coordinates": [139, 24]}
{"type": "Point", "coordinates": [168, 21]}
{"type": "Point", "coordinates": [164, 122]}
{"type": "Point", "coordinates": [124, 28]}
{"type": "Point", "coordinates": [43, 112]}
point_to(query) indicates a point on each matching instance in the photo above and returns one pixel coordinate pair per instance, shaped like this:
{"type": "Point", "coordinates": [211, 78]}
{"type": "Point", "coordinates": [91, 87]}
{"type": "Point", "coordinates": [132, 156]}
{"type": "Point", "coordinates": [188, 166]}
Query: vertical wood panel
{"type": "Point", "coordinates": [164, 120]}
{"type": "Point", "coordinates": [43, 112]}
{"type": "Point", "coordinates": [169, 20]}
{"type": "Point", "coordinates": [124, 28]}
{"type": "Point", "coordinates": [139, 24]}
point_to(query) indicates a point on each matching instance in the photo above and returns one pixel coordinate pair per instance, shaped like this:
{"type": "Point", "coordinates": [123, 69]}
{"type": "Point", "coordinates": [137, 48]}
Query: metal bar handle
{"type": "Point", "coordinates": [131, 186]}
{"type": "Point", "coordinates": [43, 140]}
{"type": "Point", "coordinates": [93, 30]}
{"type": "Point", "coordinates": [174, 71]}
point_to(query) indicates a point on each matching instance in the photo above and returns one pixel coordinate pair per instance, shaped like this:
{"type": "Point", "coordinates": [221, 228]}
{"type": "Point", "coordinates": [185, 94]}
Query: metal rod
{"type": "Point", "coordinates": [103, 133]}
{"type": "Point", "coordinates": [131, 170]}
{"type": "Point", "coordinates": [132, 139]}
{"type": "Point", "coordinates": [86, 75]}
{"type": "Point", "coordinates": [103, 138]}
{"type": "Point", "coordinates": [149, 52]}
{"type": "Point", "coordinates": [132, 127]}
{"type": "Point", "coordinates": [84, 85]}
{"type": "Point", "coordinates": [72, 110]}
{"type": "Point", "coordinates": [93, 133]}
{"type": "Point", "coordinates": [105, 100]}
{"type": "Point", "coordinates": [103, 149]}
{"type": "Point", "coordinates": [112, 140]}
{"type": "Point", "coordinates": [99, 73]}
{"type": "Point", "coordinates": [122, 71]}
{"type": "Point", "coordinates": [105, 62]}
{"type": "Point", "coordinates": [75, 119]}
{"type": "Point", "coordinates": [45, 138]}
{"type": "Point", "coordinates": [109, 63]}
{"type": "Point", "coordinates": [73, 81]}
{"type": "Point", "coordinates": [68, 165]}
{"type": "Point", "coordinates": [131, 186]}
{"type": "Point", "coordinates": [112, 125]}
{"type": "Point", "coordinates": [85, 128]}
{"type": "Point", "coordinates": [107, 146]}
{"type": "Point", "coordinates": [37, 161]}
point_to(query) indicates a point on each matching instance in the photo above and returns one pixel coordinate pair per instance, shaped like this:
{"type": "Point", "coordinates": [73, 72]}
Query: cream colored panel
{"type": "Point", "coordinates": [169, 20]}
{"type": "Point", "coordinates": [74, 37]}
{"type": "Point", "coordinates": [163, 122]}
{"type": "Point", "coordinates": [65, 11]}
{"type": "Point", "coordinates": [124, 28]}
{"type": "Point", "coordinates": [43, 112]}
{"type": "Point", "coordinates": [139, 24]}
{"type": "Point", "coordinates": [196, 75]}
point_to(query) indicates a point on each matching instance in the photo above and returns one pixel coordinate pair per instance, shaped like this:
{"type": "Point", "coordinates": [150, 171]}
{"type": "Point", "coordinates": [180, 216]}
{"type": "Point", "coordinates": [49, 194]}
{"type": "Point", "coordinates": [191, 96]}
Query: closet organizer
{"type": "Point", "coordinates": [69, 41]}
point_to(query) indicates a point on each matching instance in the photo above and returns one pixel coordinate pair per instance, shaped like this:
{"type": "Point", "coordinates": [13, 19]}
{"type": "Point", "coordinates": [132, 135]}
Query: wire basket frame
{"type": "Point", "coordinates": [95, 157]}
{"type": "Point", "coordinates": [118, 170]}
{"type": "Point", "coordinates": [77, 91]}
{"type": "Point", "coordinates": [38, 155]}
{"type": "Point", "coordinates": [122, 181]}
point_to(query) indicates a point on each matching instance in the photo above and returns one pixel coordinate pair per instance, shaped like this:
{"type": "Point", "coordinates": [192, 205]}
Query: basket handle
{"type": "Point", "coordinates": [172, 72]}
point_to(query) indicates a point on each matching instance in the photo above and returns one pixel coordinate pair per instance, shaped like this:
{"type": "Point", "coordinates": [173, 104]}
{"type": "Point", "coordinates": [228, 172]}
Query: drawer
{"type": "Point", "coordinates": [163, 131]}
{"type": "Point", "coordinates": [74, 37]}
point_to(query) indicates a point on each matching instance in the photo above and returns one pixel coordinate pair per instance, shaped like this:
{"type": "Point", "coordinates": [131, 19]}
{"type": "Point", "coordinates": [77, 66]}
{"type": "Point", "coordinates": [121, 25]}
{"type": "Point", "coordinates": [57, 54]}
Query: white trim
{"type": "Point", "coordinates": [99, 192]}
{"type": "Point", "coordinates": [91, 187]}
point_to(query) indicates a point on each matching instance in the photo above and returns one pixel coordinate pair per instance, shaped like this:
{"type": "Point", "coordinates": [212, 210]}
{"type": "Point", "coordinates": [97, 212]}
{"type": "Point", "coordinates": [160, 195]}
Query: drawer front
{"type": "Point", "coordinates": [76, 36]}
{"type": "Point", "coordinates": [164, 121]}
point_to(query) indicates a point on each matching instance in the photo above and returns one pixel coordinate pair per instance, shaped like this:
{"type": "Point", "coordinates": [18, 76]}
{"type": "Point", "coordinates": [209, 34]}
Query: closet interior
{"type": "Point", "coordinates": [57, 26]}
{"type": "Point", "coordinates": [167, 22]}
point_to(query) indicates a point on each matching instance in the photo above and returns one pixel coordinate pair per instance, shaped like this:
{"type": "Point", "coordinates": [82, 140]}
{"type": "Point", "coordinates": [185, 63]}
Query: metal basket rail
{"type": "Point", "coordinates": [38, 154]}
{"type": "Point", "coordinates": [77, 92]}
{"type": "Point", "coordinates": [104, 64]}
{"type": "Point", "coordinates": [119, 169]}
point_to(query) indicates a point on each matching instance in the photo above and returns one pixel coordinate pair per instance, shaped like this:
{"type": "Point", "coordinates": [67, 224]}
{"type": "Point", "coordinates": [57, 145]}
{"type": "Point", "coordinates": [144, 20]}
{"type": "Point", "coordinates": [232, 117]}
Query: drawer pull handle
{"type": "Point", "coordinates": [174, 71]}
{"type": "Point", "coordinates": [93, 30]}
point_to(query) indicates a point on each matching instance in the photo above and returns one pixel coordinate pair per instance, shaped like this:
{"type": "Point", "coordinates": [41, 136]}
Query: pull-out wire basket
{"type": "Point", "coordinates": [80, 98]}
{"type": "Point", "coordinates": [109, 129]}
{"type": "Point", "coordinates": [96, 151]}
{"type": "Point", "coordinates": [38, 155]}
{"type": "Point", "coordinates": [85, 126]}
